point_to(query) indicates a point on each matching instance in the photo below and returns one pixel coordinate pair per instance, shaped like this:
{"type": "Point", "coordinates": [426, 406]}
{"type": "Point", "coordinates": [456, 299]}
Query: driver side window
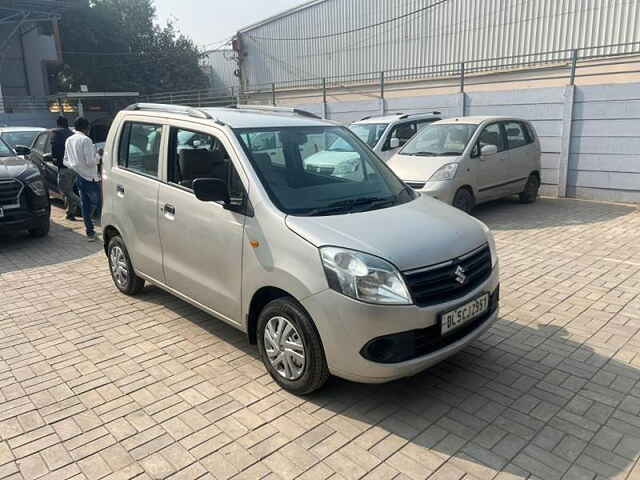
{"type": "Point", "coordinates": [491, 135]}
{"type": "Point", "coordinates": [402, 132]}
{"type": "Point", "coordinates": [40, 144]}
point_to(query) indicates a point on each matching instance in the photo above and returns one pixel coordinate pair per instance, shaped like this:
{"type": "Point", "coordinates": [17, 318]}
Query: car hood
{"type": "Point", "coordinates": [413, 167]}
{"type": "Point", "coordinates": [13, 167]}
{"type": "Point", "coordinates": [412, 235]}
{"type": "Point", "coordinates": [330, 158]}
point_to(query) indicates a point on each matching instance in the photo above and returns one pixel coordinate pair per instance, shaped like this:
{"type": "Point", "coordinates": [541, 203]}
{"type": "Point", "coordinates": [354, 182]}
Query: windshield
{"type": "Point", "coordinates": [5, 150]}
{"type": "Point", "coordinates": [440, 139]}
{"type": "Point", "coordinates": [369, 133]}
{"type": "Point", "coordinates": [305, 174]}
{"type": "Point", "coordinates": [20, 138]}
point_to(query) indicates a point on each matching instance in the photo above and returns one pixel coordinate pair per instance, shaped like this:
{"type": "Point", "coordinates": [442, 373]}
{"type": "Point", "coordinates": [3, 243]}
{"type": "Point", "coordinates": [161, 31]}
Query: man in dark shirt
{"type": "Point", "coordinates": [66, 176]}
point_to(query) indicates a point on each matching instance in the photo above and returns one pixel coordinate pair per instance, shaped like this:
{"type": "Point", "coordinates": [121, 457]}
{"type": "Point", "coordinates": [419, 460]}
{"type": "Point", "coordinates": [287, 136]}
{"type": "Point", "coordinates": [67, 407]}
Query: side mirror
{"type": "Point", "coordinates": [488, 150]}
{"type": "Point", "coordinates": [22, 150]}
{"type": "Point", "coordinates": [211, 190]}
{"type": "Point", "coordinates": [394, 143]}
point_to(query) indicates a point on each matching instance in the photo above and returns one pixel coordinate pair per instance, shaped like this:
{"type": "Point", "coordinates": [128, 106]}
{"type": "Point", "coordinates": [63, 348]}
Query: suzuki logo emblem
{"type": "Point", "coordinates": [461, 276]}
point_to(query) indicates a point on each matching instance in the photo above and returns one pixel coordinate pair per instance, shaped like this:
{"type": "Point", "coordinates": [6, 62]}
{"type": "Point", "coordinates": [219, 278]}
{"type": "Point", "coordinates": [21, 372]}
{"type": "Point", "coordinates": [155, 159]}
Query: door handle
{"type": "Point", "coordinates": [169, 209]}
{"type": "Point", "coordinates": [120, 190]}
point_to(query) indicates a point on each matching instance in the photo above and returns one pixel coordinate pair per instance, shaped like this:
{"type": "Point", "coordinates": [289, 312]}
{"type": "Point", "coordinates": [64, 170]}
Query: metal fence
{"type": "Point", "coordinates": [568, 64]}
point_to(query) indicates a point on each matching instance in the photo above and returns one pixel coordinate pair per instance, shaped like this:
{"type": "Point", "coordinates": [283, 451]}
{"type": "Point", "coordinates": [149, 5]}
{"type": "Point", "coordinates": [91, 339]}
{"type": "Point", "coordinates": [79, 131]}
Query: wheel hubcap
{"type": "Point", "coordinates": [284, 348]}
{"type": "Point", "coordinates": [119, 267]}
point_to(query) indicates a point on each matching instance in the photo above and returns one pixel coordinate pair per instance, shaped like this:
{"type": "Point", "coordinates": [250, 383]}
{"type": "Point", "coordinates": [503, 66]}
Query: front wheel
{"type": "Point", "coordinates": [122, 272]}
{"type": "Point", "coordinates": [463, 200]}
{"type": "Point", "coordinates": [290, 347]}
{"type": "Point", "coordinates": [41, 230]}
{"type": "Point", "coordinates": [530, 192]}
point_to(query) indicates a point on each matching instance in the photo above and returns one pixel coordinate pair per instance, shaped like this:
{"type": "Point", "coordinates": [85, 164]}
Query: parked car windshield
{"type": "Point", "coordinates": [440, 139]}
{"type": "Point", "coordinates": [5, 150]}
{"type": "Point", "coordinates": [369, 133]}
{"type": "Point", "coordinates": [20, 138]}
{"type": "Point", "coordinates": [304, 175]}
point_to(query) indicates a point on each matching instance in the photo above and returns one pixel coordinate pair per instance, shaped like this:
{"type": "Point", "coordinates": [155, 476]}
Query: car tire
{"type": "Point", "coordinates": [41, 230]}
{"type": "Point", "coordinates": [290, 347]}
{"type": "Point", "coordinates": [463, 200]}
{"type": "Point", "coordinates": [122, 273]}
{"type": "Point", "coordinates": [530, 192]}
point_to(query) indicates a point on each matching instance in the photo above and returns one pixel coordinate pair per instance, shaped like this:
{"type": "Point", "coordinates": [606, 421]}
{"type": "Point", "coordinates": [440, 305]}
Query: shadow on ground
{"type": "Point", "coordinates": [66, 242]}
{"type": "Point", "coordinates": [533, 401]}
{"type": "Point", "coordinates": [509, 214]}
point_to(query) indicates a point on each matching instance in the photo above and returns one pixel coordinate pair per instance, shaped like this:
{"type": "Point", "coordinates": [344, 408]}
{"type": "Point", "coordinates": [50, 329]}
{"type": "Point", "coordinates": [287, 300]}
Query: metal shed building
{"type": "Point", "coordinates": [324, 38]}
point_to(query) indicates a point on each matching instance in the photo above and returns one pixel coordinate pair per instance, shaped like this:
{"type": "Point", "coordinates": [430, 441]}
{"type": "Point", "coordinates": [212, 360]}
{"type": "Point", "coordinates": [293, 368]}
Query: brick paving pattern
{"type": "Point", "coordinates": [96, 385]}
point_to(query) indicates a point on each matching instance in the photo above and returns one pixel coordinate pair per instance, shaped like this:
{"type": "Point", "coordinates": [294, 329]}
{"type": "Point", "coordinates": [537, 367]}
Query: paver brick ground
{"type": "Point", "coordinates": [96, 385]}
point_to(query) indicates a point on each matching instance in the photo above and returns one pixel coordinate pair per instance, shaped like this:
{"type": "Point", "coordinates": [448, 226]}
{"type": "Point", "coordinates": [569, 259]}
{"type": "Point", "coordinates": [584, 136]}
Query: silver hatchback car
{"type": "Point", "coordinates": [469, 160]}
{"type": "Point", "coordinates": [359, 277]}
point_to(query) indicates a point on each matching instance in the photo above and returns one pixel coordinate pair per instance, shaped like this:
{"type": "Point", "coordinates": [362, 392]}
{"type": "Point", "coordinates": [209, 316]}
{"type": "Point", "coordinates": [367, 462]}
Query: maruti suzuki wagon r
{"type": "Point", "coordinates": [359, 277]}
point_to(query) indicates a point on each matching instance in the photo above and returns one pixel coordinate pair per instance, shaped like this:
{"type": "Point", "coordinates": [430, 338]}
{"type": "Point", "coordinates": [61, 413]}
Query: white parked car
{"type": "Point", "coordinates": [385, 135]}
{"type": "Point", "coordinates": [469, 160]}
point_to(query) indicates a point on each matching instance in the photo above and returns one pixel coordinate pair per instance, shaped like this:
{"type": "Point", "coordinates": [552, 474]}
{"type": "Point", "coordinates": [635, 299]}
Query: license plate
{"type": "Point", "coordinates": [460, 316]}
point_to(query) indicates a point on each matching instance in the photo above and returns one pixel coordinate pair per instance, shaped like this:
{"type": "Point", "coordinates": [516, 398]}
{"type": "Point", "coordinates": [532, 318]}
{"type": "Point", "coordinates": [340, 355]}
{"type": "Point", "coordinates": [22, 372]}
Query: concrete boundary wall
{"type": "Point", "coordinates": [590, 135]}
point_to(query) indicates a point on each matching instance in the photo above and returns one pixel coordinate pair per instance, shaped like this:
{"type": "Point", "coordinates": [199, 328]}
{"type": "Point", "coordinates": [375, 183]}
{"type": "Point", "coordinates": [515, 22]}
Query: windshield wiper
{"type": "Point", "coordinates": [448, 154]}
{"type": "Point", "coordinates": [423, 154]}
{"type": "Point", "coordinates": [343, 206]}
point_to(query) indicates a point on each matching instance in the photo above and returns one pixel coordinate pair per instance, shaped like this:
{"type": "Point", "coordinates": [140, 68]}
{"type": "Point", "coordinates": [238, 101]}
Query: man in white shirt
{"type": "Point", "coordinates": [80, 155]}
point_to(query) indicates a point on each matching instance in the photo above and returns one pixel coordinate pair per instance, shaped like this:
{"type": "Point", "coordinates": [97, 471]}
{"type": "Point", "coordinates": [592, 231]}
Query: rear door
{"type": "Point", "coordinates": [135, 180]}
{"type": "Point", "coordinates": [202, 241]}
{"type": "Point", "coordinates": [491, 170]}
{"type": "Point", "coordinates": [521, 155]}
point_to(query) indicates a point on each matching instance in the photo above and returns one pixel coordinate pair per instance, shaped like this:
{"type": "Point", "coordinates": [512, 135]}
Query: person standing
{"type": "Point", "coordinates": [81, 156]}
{"type": "Point", "coordinates": [66, 176]}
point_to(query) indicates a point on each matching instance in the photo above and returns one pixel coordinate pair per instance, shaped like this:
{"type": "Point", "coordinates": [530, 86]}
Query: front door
{"type": "Point", "coordinates": [41, 156]}
{"type": "Point", "coordinates": [135, 181]}
{"type": "Point", "coordinates": [201, 241]}
{"type": "Point", "coordinates": [491, 169]}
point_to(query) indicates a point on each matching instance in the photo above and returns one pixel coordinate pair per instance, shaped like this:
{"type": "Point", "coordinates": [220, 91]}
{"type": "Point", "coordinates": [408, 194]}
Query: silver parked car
{"type": "Point", "coordinates": [469, 160]}
{"type": "Point", "coordinates": [360, 277]}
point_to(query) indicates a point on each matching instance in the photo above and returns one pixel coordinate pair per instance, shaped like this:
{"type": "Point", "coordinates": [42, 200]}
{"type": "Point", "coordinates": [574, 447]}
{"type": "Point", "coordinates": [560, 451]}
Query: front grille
{"type": "Point", "coordinates": [403, 346]}
{"type": "Point", "coordinates": [439, 283]}
{"type": "Point", "coordinates": [10, 193]}
{"type": "Point", "coordinates": [416, 185]}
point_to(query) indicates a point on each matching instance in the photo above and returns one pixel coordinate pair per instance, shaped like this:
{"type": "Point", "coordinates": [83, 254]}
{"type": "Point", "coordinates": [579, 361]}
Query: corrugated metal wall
{"type": "Point", "coordinates": [219, 66]}
{"type": "Point", "coordinates": [285, 49]}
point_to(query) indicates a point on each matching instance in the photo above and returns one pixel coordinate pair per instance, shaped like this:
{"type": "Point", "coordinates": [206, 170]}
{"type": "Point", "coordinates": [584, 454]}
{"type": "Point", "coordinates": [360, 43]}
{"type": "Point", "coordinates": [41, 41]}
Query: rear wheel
{"type": "Point", "coordinates": [290, 347]}
{"type": "Point", "coordinates": [530, 192]}
{"type": "Point", "coordinates": [463, 200]}
{"type": "Point", "coordinates": [122, 272]}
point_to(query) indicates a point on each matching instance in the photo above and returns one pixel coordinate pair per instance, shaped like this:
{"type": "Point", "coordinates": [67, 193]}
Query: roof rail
{"type": "Point", "coordinates": [366, 118]}
{"type": "Point", "coordinates": [407, 115]}
{"type": "Point", "coordinates": [161, 107]}
{"type": "Point", "coordinates": [270, 108]}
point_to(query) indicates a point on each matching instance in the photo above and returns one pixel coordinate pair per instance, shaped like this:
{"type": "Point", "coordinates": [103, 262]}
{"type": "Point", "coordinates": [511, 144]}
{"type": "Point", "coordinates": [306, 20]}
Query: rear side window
{"type": "Point", "coordinates": [517, 134]}
{"type": "Point", "coordinates": [139, 149]}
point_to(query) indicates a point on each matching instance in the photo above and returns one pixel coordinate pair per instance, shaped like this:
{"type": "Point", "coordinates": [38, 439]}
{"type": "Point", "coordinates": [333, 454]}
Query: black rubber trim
{"type": "Point", "coordinates": [502, 184]}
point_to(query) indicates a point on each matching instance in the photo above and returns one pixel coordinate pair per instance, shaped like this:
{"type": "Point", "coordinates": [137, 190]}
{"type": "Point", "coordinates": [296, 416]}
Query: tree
{"type": "Point", "coordinates": [114, 45]}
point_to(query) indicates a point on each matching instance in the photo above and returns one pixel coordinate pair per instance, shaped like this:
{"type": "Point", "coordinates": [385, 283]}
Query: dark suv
{"type": "Point", "coordinates": [24, 199]}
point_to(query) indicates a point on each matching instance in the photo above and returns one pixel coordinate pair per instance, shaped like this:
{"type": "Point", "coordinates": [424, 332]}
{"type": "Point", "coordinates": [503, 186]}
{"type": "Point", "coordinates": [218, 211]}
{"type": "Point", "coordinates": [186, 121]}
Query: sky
{"type": "Point", "coordinates": [210, 22]}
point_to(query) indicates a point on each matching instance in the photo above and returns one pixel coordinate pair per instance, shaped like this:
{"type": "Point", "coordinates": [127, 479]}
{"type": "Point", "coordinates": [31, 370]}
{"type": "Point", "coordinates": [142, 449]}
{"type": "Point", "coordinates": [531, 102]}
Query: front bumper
{"type": "Point", "coordinates": [443, 191]}
{"type": "Point", "coordinates": [19, 219]}
{"type": "Point", "coordinates": [347, 327]}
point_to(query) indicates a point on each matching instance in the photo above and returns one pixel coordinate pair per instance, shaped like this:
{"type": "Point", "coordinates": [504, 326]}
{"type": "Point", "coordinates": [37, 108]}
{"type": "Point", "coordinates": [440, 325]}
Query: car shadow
{"type": "Point", "coordinates": [532, 399]}
{"type": "Point", "coordinates": [66, 242]}
{"type": "Point", "coordinates": [509, 214]}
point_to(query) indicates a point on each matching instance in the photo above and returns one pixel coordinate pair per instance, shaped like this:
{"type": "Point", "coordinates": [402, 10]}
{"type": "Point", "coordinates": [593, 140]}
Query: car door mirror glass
{"type": "Point", "coordinates": [211, 190]}
{"type": "Point", "coordinates": [489, 150]}
{"type": "Point", "coordinates": [394, 143]}
{"type": "Point", "coordinates": [22, 150]}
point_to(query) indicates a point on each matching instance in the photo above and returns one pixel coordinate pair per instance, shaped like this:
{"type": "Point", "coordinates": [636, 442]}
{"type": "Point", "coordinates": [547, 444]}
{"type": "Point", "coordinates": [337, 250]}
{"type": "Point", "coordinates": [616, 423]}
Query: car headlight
{"type": "Point", "coordinates": [446, 172]}
{"type": "Point", "coordinates": [346, 168]}
{"type": "Point", "coordinates": [364, 277]}
{"type": "Point", "coordinates": [492, 244]}
{"type": "Point", "coordinates": [38, 188]}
